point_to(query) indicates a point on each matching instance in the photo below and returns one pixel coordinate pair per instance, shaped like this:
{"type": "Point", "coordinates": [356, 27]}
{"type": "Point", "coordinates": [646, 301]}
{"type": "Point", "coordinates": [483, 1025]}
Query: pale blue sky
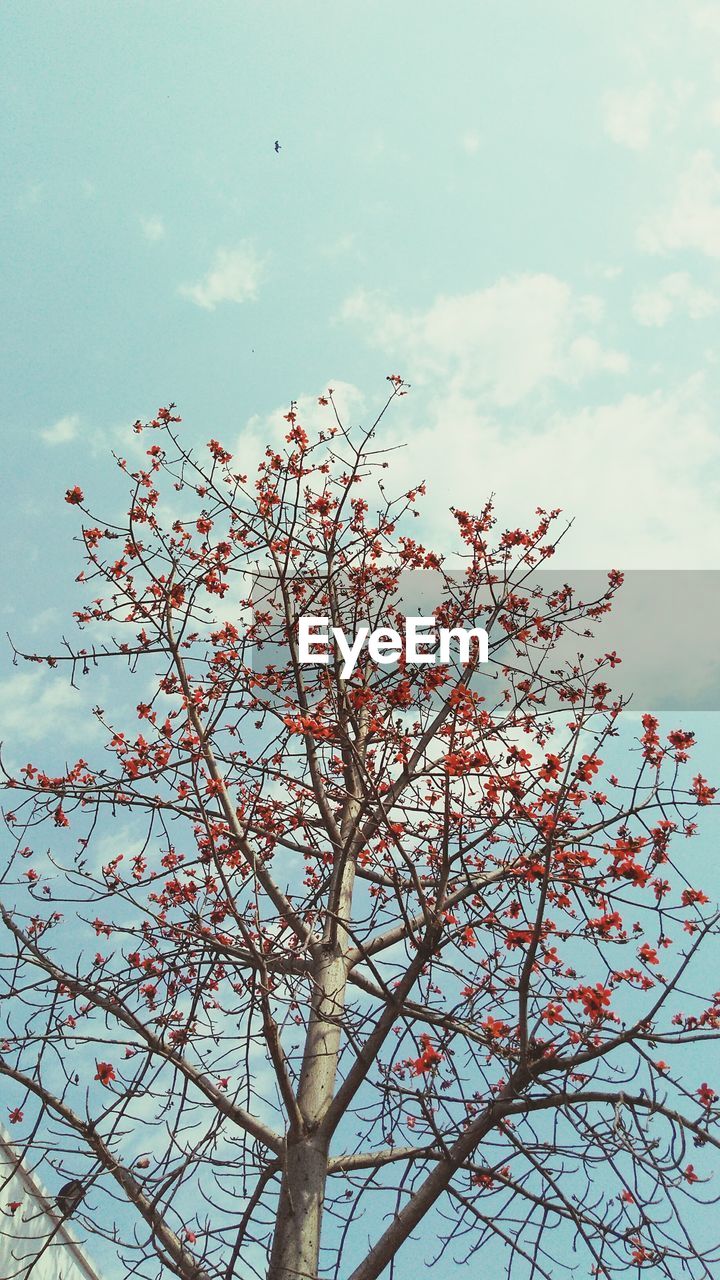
{"type": "Point", "coordinates": [513, 203]}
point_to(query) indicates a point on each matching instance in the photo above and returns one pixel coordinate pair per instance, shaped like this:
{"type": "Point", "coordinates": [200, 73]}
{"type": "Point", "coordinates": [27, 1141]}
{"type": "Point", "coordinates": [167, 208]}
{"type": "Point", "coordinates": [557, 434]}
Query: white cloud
{"type": "Point", "coordinates": [470, 142]}
{"type": "Point", "coordinates": [692, 218]}
{"type": "Point", "coordinates": [45, 618]}
{"type": "Point", "coordinates": [638, 115]}
{"type": "Point", "coordinates": [609, 272]}
{"type": "Point", "coordinates": [706, 17]}
{"type": "Point", "coordinates": [62, 431]}
{"type": "Point", "coordinates": [628, 116]}
{"type": "Point", "coordinates": [233, 277]}
{"type": "Point", "coordinates": [40, 706]}
{"type": "Point", "coordinates": [31, 195]}
{"type": "Point", "coordinates": [639, 475]}
{"type": "Point", "coordinates": [674, 293]}
{"type": "Point", "coordinates": [153, 228]}
{"type": "Point", "coordinates": [503, 342]}
{"type": "Point", "coordinates": [342, 244]}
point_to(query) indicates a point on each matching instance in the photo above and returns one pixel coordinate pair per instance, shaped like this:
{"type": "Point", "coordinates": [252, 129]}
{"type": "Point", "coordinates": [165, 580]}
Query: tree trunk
{"type": "Point", "coordinates": [296, 1242]}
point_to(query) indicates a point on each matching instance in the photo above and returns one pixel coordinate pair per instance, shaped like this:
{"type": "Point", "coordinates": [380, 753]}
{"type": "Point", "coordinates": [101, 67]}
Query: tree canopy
{"type": "Point", "coordinates": [297, 961]}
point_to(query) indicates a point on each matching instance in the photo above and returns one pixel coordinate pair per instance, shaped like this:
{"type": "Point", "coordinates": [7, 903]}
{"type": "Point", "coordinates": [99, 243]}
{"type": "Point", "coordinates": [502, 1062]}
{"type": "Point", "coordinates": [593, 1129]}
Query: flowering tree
{"type": "Point", "coordinates": [303, 958]}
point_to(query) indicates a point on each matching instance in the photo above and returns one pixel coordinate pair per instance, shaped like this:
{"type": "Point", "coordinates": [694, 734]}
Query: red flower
{"type": "Point", "coordinates": [297, 435]}
{"type": "Point", "coordinates": [706, 1095]}
{"type": "Point", "coordinates": [166, 416]}
{"type": "Point", "coordinates": [552, 1014]}
{"type": "Point", "coordinates": [13, 1205]}
{"type": "Point", "coordinates": [551, 768]}
{"type": "Point", "coordinates": [640, 1254]}
{"type": "Point", "coordinates": [690, 1175]}
{"type": "Point", "coordinates": [74, 496]}
{"type": "Point", "coordinates": [105, 1073]}
{"type": "Point", "coordinates": [494, 1029]}
{"type": "Point", "coordinates": [682, 741]}
{"type": "Point", "coordinates": [693, 895]}
{"type": "Point", "coordinates": [16, 1116]}
{"type": "Point", "coordinates": [217, 451]}
{"type": "Point", "coordinates": [588, 766]}
{"type": "Point", "coordinates": [429, 1058]}
{"type": "Point", "coordinates": [594, 999]}
{"type": "Point", "coordinates": [703, 792]}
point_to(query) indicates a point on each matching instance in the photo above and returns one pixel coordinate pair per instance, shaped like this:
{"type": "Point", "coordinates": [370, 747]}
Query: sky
{"type": "Point", "coordinates": [513, 203]}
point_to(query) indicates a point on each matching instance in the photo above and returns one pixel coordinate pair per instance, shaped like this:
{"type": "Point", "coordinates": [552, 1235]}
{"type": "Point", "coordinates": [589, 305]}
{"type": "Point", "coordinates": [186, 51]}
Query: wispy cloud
{"type": "Point", "coordinates": [638, 468]}
{"type": "Point", "coordinates": [342, 244]}
{"type": "Point", "coordinates": [691, 220]}
{"type": "Point", "coordinates": [628, 116]}
{"type": "Point", "coordinates": [675, 293]}
{"type": "Point", "coordinates": [62, 431]}
{"type": "Point", "coordinates": [470, 142]}
{"type": "Point", "coordinates": [501, 343]}
{"type": "Point", "coordinates": [706, 17]}
{"type": "Point", "coordinates": [39, 706]}
{"type": "Point", "coordinates": [153, 228]}
{"type": "Point", "coordinates": [31, 195]}
{"type": "Point", "coordinates": [234, 276]}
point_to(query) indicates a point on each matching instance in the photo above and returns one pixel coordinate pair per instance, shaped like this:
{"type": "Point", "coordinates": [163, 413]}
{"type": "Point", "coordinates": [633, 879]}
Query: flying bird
{"type": "Point", "coordinates": [277, 145]}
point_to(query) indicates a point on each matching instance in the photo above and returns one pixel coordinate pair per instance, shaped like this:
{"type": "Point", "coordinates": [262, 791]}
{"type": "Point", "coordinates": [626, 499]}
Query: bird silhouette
{"type": "Point", "coordinates": [277, 145]}
{"type": "Point", "coordinates": [70, 1196]}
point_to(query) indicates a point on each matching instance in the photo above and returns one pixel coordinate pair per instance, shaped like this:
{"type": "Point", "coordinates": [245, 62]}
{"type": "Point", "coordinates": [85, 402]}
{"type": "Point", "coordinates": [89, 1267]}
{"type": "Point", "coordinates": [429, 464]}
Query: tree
{"type": "Point", "coordinates": [312, 956]}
